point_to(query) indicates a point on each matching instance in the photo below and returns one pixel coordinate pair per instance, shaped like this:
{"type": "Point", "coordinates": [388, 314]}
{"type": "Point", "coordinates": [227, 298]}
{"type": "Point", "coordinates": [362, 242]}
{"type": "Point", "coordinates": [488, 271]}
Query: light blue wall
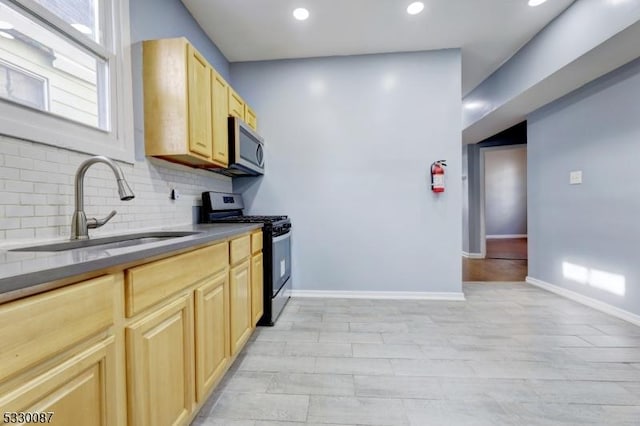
{"type": "Point", "coordinates": [154, 19]}
{"type": "Point", "coordinates": [593, 226]}
{"type": "Point", "coordinates": [349, 141]}
{"type": "Point", "coordinates": [505, 179]}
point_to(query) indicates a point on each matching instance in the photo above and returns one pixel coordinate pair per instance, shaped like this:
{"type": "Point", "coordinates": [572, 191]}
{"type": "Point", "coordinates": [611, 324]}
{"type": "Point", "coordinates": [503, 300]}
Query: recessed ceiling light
{"type": "Point", "coordinates": [301, 14]}
{"type": "Point", "coordinates": [4, 25]}
{"type": "Point", "coordinates": [6, 35]}
{"type": "Point", "coordinates": [415, 8]}
{"type": "Point", "coordinates": [534, 3]}
{"type": "Point", "coordinates": [82, 28]}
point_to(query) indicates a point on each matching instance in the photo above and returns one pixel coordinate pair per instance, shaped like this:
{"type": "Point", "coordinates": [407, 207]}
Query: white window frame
{"type": "Point", "coordinates": [118, 142]}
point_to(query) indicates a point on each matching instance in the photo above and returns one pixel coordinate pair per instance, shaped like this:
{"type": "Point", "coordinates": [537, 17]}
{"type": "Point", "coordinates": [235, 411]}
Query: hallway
{"type": "Point", "coordinates": [506, 260]}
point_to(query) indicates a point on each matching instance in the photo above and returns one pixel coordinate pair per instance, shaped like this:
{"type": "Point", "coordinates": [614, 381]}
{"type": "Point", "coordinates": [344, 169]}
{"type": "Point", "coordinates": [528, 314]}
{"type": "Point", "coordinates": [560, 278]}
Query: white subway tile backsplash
{"type": "Point", "coordinates": [17, 162]}
{"type": "Point", "coordinates": [18, 211]}
{"type": "Point", "coordinates": [38, 176]}
{"type": "Point", "coordinates": [9, 173]}
{"type": "Point", "coordinates": [65, 189]}
{"type": "Point", "coordinates": [37, 192]}
{"type": "Point", "coordinates": [57, 221]}
{"type": "Point", "coordinates": [57, 199]}
{"type": "Point", "coordinates": [33, 222]}
{"type": "Point", "coordinates": [9, 146]}
{"type": "Point", "coordinates": [10, 223]}
{"type": "Point", "coordinates": [20, 234]}
{"type": "Point", "coordinates": [33, 199]}
{"type": "Point", "coordinates": [46, 166]}
{"type": "Point", "coordinates": [18, 186]}
{"type": "Point", "coordinates": [47, 210]}
{"type": "Point", "coordinates": [45, 188]}
{"type": "Point", "coordinates": [33, 151]}
{"type": "Point", "coordinates": [9, 198]}
{"type": "Point", "coordinates": [57, 156]}
{"type": "Point", "coordinates": [42, 233]}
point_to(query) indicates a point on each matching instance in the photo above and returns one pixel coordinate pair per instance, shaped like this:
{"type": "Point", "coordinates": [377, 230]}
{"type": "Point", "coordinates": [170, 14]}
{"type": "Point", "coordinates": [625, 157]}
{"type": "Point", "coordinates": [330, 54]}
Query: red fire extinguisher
{"type": "Point", "coordinates": [437, 175]}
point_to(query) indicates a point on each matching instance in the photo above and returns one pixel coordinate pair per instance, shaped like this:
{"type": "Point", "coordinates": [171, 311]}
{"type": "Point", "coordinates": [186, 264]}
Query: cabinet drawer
{"type": "Point", "coordinates": [240, 249]}
{"type": "Point", "coordinates": [256, 242]}
{"type": "Point", "coordinates": [149, 284]}
{"type": "Point", "coordinates": [41, 326]}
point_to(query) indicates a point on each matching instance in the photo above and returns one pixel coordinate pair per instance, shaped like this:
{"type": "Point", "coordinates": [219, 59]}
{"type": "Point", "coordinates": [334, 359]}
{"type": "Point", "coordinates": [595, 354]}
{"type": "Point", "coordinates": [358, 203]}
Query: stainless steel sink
{"type": "Point", "coordinates": [109, 242]}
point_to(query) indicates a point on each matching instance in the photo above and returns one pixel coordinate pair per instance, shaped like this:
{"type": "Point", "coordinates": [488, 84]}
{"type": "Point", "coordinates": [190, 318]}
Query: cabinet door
{"type": "Point", "coordinates": [199, 103]}
{"type": "Point", "coordinates": [220, 112]}
{"type": "Point", "coordinates": [240, 305]}
{"type": "Point", "coordinates": [257, 288]}
{"type": "Point", "coordinates": [160, 365]}
{"type": "Point", "coordinates": [79, 391]}
{"type": "Point", "coordinates": [236, 104]}
{"type": "Point", "coordinates": [250, 117]}
{"type": "Point", "coordinates": [212, 332]}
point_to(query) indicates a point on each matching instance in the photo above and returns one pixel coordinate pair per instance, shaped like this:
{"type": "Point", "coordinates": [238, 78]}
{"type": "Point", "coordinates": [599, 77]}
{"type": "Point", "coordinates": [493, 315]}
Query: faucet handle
{"type": "Point", "coordinates": [97, 223]}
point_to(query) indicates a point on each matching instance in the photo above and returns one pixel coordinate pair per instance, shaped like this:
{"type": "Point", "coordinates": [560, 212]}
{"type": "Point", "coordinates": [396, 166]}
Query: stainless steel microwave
{"type": "Point", "coordinates": [246, 150]}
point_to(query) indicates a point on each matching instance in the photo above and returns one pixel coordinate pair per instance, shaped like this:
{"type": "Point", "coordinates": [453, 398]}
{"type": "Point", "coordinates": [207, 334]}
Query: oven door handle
{"type": "Point", "coordinates": [281, 237]}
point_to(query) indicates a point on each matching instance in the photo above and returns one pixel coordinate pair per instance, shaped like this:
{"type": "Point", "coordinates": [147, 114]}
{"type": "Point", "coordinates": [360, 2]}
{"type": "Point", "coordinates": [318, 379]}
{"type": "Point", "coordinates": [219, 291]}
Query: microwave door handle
{"type": "Point", "coordinates": [260, 155]}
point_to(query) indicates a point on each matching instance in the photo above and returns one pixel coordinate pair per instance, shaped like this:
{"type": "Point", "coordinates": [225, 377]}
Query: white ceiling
{"type": "Point", "coordinates": [488, 31]}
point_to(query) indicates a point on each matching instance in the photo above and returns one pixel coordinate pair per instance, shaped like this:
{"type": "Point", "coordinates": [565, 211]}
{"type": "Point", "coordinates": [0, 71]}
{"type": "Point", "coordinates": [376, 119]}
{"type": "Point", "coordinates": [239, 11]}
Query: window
{"type": "Point", "coordinates": [23, 87]}
{"type": "Point", "coordinates": [65, 76]}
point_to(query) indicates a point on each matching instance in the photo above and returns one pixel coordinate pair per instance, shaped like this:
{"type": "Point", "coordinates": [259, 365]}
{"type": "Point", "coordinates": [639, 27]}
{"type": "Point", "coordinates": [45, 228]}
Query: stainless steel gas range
{"type": "Point", "coordinates": [220, 207]}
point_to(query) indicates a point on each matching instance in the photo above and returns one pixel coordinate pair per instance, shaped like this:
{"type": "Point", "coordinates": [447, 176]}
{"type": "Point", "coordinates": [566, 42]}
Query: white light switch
{"type": "Point", "coordinates": [575, 177]}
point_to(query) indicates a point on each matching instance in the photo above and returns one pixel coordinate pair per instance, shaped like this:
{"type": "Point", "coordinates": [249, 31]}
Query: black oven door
{"type": "Point", "coordinates": [281, 260]}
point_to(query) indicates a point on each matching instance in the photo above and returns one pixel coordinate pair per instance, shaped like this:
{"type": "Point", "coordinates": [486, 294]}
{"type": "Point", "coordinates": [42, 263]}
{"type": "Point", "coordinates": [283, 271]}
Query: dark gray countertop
{"type": "Point", "coordinates": [21, 270]}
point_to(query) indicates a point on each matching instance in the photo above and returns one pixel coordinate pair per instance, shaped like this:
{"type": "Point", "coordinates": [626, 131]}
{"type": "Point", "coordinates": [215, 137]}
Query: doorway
{"type": "Point", "coordinates": [503, 213]}
{"type": "Point", "coordinates": [503, 216]}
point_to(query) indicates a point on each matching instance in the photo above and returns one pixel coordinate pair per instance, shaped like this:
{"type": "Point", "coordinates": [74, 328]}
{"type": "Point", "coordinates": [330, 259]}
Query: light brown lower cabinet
{"type": "Point", "coordinates": [160, 355]}
{"type": "Point", "coordinates": [59, 356]}
{"type": "Point", "coordinates": [212, 332]}
{"type": "Point", "coordinates": [79, 391]}
{"type": "Point", "coordinates": [144, 346]}
{"type": "Point", "coordinates": [240, 304]}
{"type": "Point", "coordinates": [257, 288]}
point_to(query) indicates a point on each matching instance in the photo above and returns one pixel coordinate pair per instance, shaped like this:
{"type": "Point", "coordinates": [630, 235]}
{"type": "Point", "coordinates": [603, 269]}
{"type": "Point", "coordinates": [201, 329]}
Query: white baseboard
{"type": "Point", "coordinates": [397, 295]}
{"type": "Point", "coordinates": [472, 255]}
{"type": "Point", "coordinates": [593, 303]}
{"type": "Point", "coordinates": [505, 236]}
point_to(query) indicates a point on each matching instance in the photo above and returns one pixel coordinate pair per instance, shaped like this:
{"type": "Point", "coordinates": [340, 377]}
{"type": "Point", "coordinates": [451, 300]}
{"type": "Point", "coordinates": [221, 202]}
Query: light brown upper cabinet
{"type": "Point", "coordinates": [239, 108]}
{"type": "Point", "coordinates": [185, 105]}
{"type": "Point", "coordinates": [250, 117]}
{"type": "Point", "coordinates": [220, 112]}
{"type": "Point", "coordinates": [236, 104]}
{"type": "Point", "coordinates": [199, 103]}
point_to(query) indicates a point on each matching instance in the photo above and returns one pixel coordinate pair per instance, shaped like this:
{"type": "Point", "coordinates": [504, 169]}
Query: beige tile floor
{"type": "Point", "coordinates": [511, 354]}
